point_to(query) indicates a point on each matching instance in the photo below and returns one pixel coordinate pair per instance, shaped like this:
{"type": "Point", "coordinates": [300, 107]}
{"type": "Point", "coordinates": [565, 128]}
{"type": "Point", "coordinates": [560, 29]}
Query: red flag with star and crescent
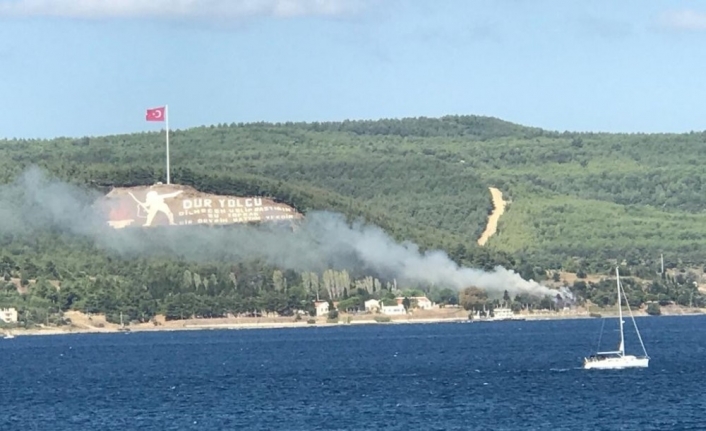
{"type": "Point", "coordinates": [155, 114]}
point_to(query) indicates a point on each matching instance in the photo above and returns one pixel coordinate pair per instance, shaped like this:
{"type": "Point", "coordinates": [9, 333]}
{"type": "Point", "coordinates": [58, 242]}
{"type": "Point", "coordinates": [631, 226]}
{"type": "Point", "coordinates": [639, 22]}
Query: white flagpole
{"type": "Point", "coordinates": [166, 120]}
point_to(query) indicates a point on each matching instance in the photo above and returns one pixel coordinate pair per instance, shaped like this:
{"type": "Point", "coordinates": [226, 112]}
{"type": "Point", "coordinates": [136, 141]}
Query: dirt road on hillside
{"type": "Point", "coordinates": [498, 210]}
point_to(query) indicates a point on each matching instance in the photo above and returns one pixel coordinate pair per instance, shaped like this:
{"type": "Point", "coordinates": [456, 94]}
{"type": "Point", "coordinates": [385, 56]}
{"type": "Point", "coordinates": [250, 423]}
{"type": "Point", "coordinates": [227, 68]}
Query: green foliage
{"type": "Point", "coordinates": [577, 201]}
{"type": "Point", "coordinates": [653, 309]}
{"type": "Point", "coordinates": [444, 296]}
{"type": "Point", "coordinates": [406, 303]}
{"type": "Point", "coordinates": [679, 289]}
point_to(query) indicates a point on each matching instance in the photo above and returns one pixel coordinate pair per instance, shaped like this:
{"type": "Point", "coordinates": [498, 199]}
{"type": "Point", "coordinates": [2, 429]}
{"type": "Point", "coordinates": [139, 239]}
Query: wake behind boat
{"type": "Point", "coordinates": [618, 359]}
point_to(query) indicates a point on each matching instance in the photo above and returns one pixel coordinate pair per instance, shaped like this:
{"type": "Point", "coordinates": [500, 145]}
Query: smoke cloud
{"type": "Point", "coordinates": [180, 9]}
{"type": "Point", "coordinates": [683, 20]}
{"type": "Point", "coordinates": [323, 240]}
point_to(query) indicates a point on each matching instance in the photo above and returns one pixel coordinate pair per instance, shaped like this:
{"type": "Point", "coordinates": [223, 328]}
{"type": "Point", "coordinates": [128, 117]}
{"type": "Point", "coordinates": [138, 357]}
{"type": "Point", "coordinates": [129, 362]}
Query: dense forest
{"type": "Point", "coordinates": [578, 202]}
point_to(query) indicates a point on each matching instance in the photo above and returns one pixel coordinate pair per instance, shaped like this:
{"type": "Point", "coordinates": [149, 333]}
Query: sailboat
{"type": "Point", "coordinates": [122, 325]}
{"type": "Point", "coordinates": [618, 359]}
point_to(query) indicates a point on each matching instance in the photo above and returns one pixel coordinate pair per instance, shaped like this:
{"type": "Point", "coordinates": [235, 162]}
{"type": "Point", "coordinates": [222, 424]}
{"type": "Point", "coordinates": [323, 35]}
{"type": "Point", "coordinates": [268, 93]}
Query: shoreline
{"type": "Point", "coordinates": [290, 324]}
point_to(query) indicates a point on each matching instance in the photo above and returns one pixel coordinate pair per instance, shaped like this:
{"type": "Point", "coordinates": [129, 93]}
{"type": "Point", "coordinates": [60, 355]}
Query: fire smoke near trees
{"type": "Point", "coordinates": [321, 241]}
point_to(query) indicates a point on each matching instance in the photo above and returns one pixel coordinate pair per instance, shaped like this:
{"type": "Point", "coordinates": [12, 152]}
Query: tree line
{"type": "Point", "coordinates": [577, 202]}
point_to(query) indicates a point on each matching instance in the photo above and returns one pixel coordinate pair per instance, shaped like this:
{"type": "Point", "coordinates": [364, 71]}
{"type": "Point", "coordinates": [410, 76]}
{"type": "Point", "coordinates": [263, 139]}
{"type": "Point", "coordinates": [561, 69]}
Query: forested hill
{"type": "Point", "coordinates": [572, 194]}
{"type": "Point", "coordinates": [576, 200]}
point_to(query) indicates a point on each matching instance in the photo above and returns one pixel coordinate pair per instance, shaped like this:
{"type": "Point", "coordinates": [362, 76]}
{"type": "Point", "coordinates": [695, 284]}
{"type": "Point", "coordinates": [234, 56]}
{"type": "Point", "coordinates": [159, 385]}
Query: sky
{"type": "Point", "coordinates": [92, 67]}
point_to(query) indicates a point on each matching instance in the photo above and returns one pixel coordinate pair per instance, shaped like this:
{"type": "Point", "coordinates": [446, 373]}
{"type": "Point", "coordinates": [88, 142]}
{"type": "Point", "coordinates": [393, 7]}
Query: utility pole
{"type": "Point", "coordinates": [661, 270]}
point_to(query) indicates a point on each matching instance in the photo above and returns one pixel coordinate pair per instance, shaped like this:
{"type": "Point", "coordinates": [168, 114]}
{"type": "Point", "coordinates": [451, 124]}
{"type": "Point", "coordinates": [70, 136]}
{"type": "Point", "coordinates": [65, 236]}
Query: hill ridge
{"type": "Point", "coordinates": [581, 203]}
{"type": "Point", "coordinates": [427, 172]}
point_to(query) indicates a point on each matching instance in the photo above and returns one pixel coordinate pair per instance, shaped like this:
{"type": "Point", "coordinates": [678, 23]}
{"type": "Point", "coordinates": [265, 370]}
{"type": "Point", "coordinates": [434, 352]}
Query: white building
{"type": "Point", "coordinates": [503, 313]}
{"type": "Point", "coordinates": [321, 308]}
{"type": "Point", "coordinates": [422, 302]}
{"type": "Point", "coordinates": [393, 310]}
{"type": "Point", "coordinates": [372, 305]}
{"type": "Point", "coordinates": [8, 315]}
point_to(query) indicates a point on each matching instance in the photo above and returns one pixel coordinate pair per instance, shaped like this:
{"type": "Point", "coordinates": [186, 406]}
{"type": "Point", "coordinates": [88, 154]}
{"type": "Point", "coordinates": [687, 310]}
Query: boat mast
{"type": "Point", "coordinates": [634, 323]}
{"type": "Point", "coordinates": [620, 314]}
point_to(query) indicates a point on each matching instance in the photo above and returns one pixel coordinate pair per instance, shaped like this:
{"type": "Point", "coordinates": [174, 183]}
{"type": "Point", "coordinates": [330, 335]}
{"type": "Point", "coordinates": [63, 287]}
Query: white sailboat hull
{"type": "Point", "coordinates": [616, 363]}
{"type": "Point", "coordinates": [618, 360]}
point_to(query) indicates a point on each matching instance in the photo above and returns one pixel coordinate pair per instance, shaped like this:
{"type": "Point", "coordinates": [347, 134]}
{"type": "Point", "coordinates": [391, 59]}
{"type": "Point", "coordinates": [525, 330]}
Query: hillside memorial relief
{"type": "Point", "coordinates": [177, 205]}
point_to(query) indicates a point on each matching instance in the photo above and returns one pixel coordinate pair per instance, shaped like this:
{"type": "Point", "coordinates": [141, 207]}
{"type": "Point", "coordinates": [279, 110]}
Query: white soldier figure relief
{"type": "Point", "coordinates": [187, 207]}
{"type": "Point", "coordinates": [154, 203]}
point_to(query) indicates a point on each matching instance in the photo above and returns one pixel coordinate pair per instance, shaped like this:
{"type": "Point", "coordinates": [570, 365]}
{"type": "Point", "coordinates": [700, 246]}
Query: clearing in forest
{"type": "Point", "coordinates": [498, 210]}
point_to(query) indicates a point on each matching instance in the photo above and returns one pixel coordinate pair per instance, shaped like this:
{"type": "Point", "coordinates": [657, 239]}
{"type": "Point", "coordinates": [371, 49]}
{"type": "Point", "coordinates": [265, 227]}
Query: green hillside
{"type": "Point", "coordinates": [572, 194]}
{"type": "Point", "coordinates": [575, 199]}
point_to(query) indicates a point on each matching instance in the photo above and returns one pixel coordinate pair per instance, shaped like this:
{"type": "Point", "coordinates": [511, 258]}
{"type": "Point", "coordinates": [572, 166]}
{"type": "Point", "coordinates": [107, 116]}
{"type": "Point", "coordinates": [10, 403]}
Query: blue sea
{"type": "Point", "coordinates": [447, 376]}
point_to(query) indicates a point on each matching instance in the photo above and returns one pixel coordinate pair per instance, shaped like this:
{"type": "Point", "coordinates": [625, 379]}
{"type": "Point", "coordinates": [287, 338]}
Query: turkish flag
{"type": "Point", "coordinates": [155, 114]}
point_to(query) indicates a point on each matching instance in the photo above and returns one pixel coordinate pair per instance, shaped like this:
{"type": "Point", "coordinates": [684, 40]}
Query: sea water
{"type": "Point", "coordinates": [449, 376]}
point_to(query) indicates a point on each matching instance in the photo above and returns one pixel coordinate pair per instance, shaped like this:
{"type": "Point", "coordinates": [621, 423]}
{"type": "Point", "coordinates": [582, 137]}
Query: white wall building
{"type": "Point", "coordinates": [422, 302]}
{"type": "Point", "coordinates": [321, 308]}
{"type": "Point", "coordinates": [372, 305]}
{"type": "Point", "coordinates": [8, 315]}
{"type": "Point", "coordinates": [503, 313]}
{"type": "Point", "coordinates": [393, 310]}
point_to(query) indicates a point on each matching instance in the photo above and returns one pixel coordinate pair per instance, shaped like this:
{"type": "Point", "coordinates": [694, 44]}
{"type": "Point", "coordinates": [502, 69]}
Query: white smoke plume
{"type": "Point", "coordinates": [323, 240]}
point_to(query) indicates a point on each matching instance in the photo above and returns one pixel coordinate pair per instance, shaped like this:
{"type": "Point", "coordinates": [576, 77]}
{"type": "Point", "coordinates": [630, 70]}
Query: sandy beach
{"type": "Point", "coordinates": [82, 323]}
